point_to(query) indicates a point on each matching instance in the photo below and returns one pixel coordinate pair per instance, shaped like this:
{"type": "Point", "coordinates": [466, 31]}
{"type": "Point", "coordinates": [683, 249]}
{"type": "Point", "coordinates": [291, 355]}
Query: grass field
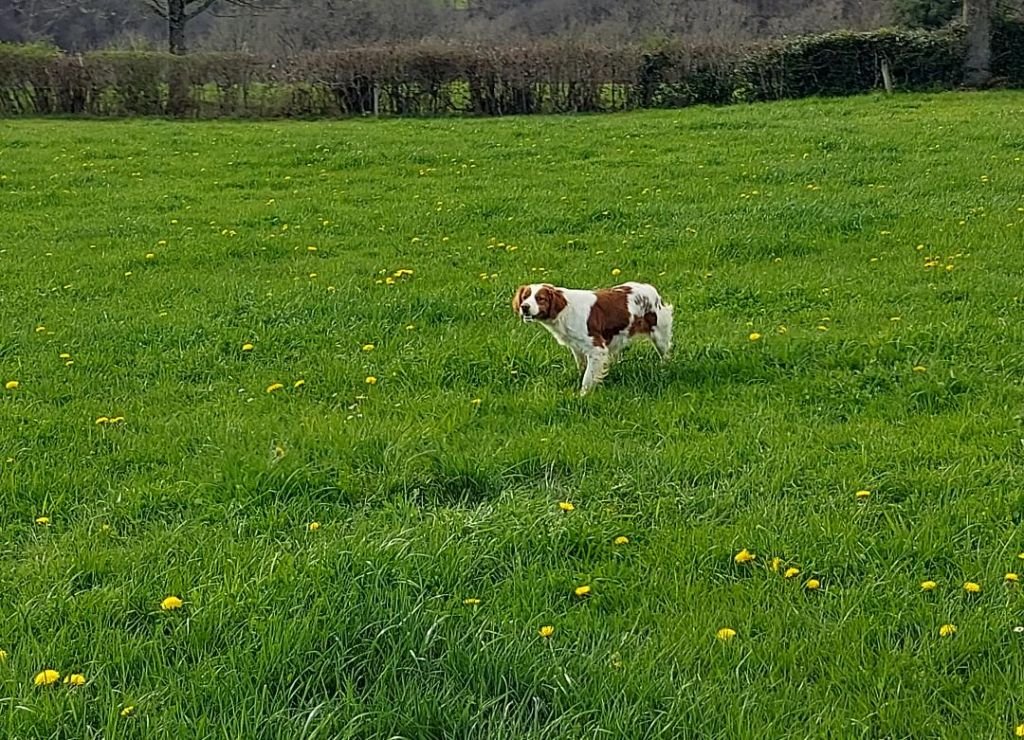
{"type": "Point", "coordinates": [874, 244]}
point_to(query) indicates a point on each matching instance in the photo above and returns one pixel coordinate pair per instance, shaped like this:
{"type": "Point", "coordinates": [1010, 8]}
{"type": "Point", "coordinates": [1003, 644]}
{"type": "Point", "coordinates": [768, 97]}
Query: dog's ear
{"type": "Point", "coordinates": [555, 300]}
{"type": "Point", "coordinates": [521, 295]}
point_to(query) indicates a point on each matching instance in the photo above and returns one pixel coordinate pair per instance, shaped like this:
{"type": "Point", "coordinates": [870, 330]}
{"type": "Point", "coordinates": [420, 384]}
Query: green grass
{"type": "Point", "coordinates": [803, 214]}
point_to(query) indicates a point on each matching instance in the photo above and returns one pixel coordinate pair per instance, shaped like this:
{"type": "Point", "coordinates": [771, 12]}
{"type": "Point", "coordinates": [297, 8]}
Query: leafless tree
{"type": "Point", "coordinates": [179, 13]}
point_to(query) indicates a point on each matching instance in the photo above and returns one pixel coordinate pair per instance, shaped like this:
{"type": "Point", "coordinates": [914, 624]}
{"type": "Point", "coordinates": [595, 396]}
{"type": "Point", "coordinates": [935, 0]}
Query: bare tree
{"type": "Point", "coordinates": [179, 13]}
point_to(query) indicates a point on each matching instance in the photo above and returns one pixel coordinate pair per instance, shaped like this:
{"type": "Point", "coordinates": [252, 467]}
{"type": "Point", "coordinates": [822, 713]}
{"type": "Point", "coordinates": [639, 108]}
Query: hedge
{"type": "Point", "coordinates": [432, 79]}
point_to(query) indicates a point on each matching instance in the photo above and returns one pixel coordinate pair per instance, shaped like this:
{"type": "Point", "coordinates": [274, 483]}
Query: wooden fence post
{"type": "Point", "coordinates": [886, 75]}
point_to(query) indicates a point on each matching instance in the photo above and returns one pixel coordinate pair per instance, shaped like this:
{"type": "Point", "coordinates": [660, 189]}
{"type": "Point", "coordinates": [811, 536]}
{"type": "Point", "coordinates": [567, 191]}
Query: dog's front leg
{"type": "Point", "coordinates": [597, 368]}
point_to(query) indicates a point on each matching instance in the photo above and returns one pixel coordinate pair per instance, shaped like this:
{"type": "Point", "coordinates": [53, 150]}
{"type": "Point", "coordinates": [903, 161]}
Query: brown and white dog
{"type": "Point", "coordinates": [597, 324]}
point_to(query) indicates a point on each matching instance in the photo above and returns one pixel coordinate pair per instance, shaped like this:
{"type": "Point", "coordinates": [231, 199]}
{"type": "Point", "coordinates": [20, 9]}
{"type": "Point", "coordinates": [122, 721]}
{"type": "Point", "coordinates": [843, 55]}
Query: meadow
{"type": "Point", "coordinates": [271, 370]}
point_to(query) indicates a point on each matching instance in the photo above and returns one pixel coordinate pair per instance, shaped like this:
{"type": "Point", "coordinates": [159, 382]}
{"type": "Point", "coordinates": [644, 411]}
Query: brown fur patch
{"type": "Point", "coordinates": [644, 324]}
{"type": "Point", "coordinates": [609, 315]}
{"type": "Point", "coordinates": [521, 295]}
{"type": "Point", "coordinates": [550, 303]}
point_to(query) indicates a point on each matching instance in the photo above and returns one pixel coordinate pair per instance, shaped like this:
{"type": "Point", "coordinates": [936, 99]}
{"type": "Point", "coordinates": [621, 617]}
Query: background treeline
{"type": "Point", "coordinates": [286, 26]}
{"type": "Point", "coordinates": [427, 79]}
{"type": "Point", "coordinates": [562, 73]}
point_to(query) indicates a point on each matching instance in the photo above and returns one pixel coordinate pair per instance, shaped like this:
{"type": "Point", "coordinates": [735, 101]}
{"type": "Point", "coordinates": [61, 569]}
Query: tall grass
{"type": "Point", "coordinates": [873, 244]}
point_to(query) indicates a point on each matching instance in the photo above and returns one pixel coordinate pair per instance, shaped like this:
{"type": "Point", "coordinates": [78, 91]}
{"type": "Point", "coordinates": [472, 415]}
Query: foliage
{"type": "Point", "coordinates": [1008, 48]}
{"type": "Point", "coordinates": [845, 63]}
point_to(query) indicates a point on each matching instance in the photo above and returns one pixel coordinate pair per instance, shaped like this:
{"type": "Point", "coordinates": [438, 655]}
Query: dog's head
{"type": "Point", "coordinates": [538, 302]}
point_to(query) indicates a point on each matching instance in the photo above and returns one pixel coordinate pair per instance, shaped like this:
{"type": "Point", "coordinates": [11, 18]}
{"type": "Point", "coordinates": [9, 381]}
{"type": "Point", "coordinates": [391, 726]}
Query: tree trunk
{"type": "Point", "coordinates": [177, 82]}
{"type": "Point", "coordinates": [978, 18]}
{"type": "Point", "coordinates": [176, 20]}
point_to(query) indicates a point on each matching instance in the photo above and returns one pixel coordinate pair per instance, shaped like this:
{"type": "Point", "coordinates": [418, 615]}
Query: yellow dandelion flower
{"type": "Point", "coordinates": [782, 329]}
{"type": "Point", "coordinates": [11, 385]}
{"type": "Point", "coordinates": [410, 327]}
{"type": "Point", "coordinates": [64, 356]}
{"type": "Point", "coordinates": [171, 603]}
{"type": "Point", "coordinates": [248, 347]}
{"type": "Point", "coordinates": [314, 526]}
{"type": "Point", "coordinates": [3, 655]}
{"type": "Point", "coordinates": [43, 521]}
{"type": "Point", "coordinates": [298, 383]}
{"type": "Point", "coordinates": [546, 631]}
{"type": "Point", "coordinates": [471, 602]}
{"type": "Point", "coordinates": [621, 540]}
{"type": "Point", "coordinates": [128, 711]}
{"type": "Point", "coordinates": [477, 401]}
{"type": "Point", "coordinates": [274, 387]}
{"type": "Point", "coordinates": [1019, 731]}
{"type": "Point", "coordinates": [928, 585]}
{"type": "Point", "coordinates": [582, 590]}
{"type": "Point", "coordinates": [754, 336]}
{"type": "Point", "coordinates": [972, 588]}
{"type": "Point", "coordinates": [40, 328]}
{"type": "Point", "coordinates": [920, 369]}
{"type": "Point", "coordinates": [1011, 578]}
{"type": "Point", "coordinates": [150, 256]}
{"type": "Point", "coordinates": [862, 494]}
{"type": "Point", "coordinates": [116, 419]}
{"type": "Point", "coordinates": [774, 564]}
{"type": "Point", "coordinates": [791, 572]}
{"type": "Point", "coordinates": [311, 249]}
{"type": "Point", "coordinates": [368, 348]}
{"type": "Point", "coordinates": [371, 380]}
{"type": "Point", "coordinates": [566, 506]}
{"type": "Point", "coordinates": [46, 678]}
{"type": "Point", "coordinates": [947, 630]}
{"type": "Point", "coordinates": [616, 272]}
{"type": "Point", "coordinates": [103, 420]}
{"type": "Point", "coordinates": [75, 679]}
{"type": "Point", "coordinates": [813, 585]}
{"type": "Point", "coordinates": [725, 634]}
{"type": "Point", "coordinates": [744, 556]}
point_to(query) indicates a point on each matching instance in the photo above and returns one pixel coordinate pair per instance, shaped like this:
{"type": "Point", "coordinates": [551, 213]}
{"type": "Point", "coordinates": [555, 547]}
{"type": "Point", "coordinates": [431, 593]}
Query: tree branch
{"type": "Point", "coordinates": [156, 8]}
{"type": "Point", "coordinates": [202, 6]}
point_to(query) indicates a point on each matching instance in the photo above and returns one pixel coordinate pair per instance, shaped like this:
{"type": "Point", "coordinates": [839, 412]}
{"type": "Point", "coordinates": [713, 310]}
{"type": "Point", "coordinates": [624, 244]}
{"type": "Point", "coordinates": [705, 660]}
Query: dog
{"type": "Point", "coordinates": [596, 325]}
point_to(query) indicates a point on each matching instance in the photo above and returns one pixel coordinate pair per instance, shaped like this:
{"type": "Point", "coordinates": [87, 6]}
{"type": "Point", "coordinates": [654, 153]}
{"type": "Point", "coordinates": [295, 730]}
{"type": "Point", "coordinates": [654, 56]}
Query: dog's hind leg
{"type": "Point", "coordinates": [661, 334]}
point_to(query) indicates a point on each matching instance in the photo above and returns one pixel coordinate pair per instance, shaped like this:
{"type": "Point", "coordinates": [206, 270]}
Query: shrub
{"type": "Point", "coordinates": [1008, 49]}
{"type": "Point", "coordinates": [845, 63]}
